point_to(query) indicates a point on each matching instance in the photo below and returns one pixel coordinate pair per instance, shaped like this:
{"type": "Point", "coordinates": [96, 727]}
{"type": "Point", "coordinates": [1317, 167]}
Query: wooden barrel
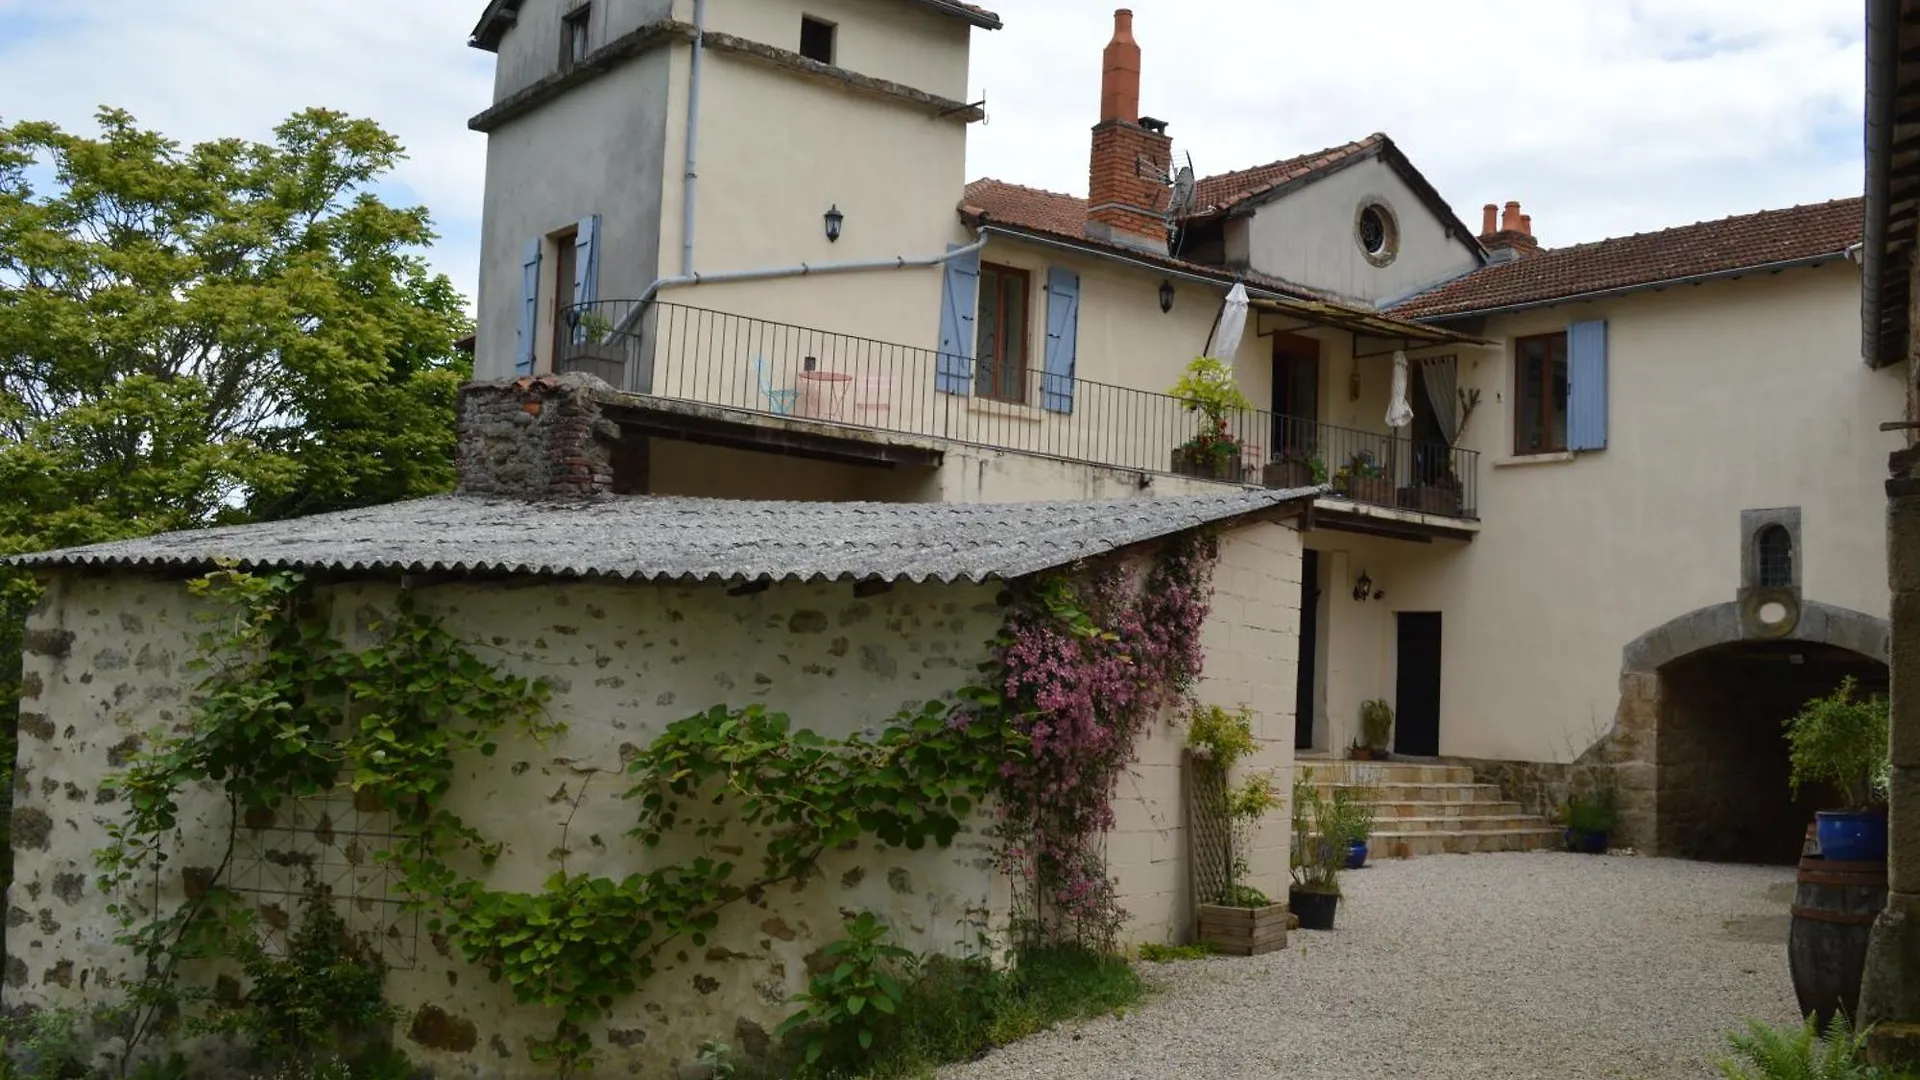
{"type": "Point", "coordinates": [1834, 905]}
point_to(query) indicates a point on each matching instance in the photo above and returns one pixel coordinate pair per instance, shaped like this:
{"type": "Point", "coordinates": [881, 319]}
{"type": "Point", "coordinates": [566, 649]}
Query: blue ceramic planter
{"type": "Point", "coordinates": [1356, 854]}
{"type": "Point", "coordinates": [1852, 835]}
{"type": "Point", "coordinates": [1586, 842]}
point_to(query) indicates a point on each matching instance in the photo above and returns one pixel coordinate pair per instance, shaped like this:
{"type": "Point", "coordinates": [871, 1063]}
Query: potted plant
{"type": "Point", "coordinates": [1841, 739]}
{"type": "Point", "coordinates": [1208, 390]}
{"type": "Point", "coordinates": [1359, 820]}
{"type": "Point", "coordinates": [1294, 469]}
{"type": "Point", "coordinates": [1376, 728]}
{"type": "Point", "coordinates": [1363, 480]}
{"type": "Point", "coordinates": [1241, 921]}
{"type": "Point", "coordinates": [595, 348]}
{"type": "Point", "coordinates": [1323, 830]}
{"type": "Point", "coordinates": [1441, 494]}
{"type": "Point", "coordinates": [1589, 820]}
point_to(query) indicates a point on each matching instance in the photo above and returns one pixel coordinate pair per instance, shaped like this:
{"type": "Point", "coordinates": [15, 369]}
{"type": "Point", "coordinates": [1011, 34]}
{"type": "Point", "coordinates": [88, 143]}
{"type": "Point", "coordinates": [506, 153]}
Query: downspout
{"type": "Point", "coordinates": [692, 175]}
{"type": "Point", "coordinates": [898, 262]}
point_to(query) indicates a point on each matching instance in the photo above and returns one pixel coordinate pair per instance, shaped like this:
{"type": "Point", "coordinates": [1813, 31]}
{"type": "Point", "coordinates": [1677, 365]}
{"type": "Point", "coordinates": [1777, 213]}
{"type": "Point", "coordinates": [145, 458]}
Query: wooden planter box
{"type": "Point", "coordinates": [1377, 490]}
{"type": "Point", "coordinates": [1287, 475]}
{"type": "Point", "coordinates": [1433, 500]}
{"type": "Point", "coordinates": [1238, 931]}
{"type": "Point", "coordinates": [1206, 469]}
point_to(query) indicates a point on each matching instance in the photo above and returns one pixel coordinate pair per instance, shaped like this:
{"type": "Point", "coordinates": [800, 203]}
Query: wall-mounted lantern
{"type": "Point", "coordinates": [1166, 296]}
{"type": "Point", "coordinates": [834, 220]}
{"type": "Point", "coordinates": [1362, 587]}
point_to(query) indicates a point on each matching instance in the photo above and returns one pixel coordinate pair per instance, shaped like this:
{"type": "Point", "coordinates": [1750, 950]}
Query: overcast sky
{"type": "Point", "coordinates": [1603, 117]}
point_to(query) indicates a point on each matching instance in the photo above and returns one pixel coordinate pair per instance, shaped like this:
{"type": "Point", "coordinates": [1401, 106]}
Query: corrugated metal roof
{"type": "Point", "coordinates": [679, 539]}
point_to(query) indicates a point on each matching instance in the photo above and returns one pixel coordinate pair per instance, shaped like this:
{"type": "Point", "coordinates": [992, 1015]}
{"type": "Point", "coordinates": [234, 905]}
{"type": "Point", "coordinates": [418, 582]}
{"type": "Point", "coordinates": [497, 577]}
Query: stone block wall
{"type": "Point", "coordinates": [106, 668]}
{"type": "Point", "coordinates": [537, 437]}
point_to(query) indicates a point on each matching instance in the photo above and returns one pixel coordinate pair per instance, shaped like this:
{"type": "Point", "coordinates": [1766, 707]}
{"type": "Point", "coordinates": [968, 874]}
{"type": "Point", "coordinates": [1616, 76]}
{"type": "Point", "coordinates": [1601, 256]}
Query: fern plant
{"type": "Point", "coordinates": [1803, 1052]}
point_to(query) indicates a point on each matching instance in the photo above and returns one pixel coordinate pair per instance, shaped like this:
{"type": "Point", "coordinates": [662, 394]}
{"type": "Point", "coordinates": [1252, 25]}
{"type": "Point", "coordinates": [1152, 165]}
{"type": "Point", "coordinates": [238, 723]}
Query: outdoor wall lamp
{"type": "Point", "coordinates": [834, 220]}
{"type": "Point", "coordinates": [1166, 296]}
{"type": "Point", "coordinates": [1362, 587]}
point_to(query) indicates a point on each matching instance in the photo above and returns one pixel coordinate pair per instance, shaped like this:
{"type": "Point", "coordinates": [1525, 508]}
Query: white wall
{"type": "Point", "coordinates": [886, 39]}
{"type": "Point", "coordinates": [1310, 237]}
{"type": "Point", "coordinates": [1723, 397]}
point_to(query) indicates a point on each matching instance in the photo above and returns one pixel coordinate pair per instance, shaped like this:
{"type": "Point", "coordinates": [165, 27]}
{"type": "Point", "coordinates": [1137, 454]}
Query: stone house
{"type": "Point", "coordinates": [638, 612]}
{"type": "Point", "coordinates": [1629, 471]}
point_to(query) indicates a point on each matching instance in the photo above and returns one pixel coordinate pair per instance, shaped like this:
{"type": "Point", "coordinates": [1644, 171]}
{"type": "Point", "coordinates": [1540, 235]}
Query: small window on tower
{"type": "Point", "coordinates": [573, 37]}
{"type": "Point", "coordinates": [1776, 557]}
{"type": "Point", "coordinates": [816, 39]}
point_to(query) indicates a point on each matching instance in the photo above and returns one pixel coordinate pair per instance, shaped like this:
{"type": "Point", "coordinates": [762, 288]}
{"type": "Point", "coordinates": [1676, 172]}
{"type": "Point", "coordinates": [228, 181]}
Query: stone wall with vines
{"type": "Point", "coordinates": [600, 789]}
{"type": "Point", "coordinates": [622, 665]}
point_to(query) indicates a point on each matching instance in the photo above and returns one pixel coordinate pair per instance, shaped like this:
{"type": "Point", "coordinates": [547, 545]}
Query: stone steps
{"type": "Point", "coordinates": [1424, 809]}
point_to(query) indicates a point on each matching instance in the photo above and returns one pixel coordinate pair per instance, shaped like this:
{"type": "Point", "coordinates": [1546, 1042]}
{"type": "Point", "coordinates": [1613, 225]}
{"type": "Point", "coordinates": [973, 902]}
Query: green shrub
{"type": "Point", "coordinates": [1841, 740]}
{"type": "Point", "coordinates": [954, 1010]}
{"type": "Point", "coordinates": [844, 1007]}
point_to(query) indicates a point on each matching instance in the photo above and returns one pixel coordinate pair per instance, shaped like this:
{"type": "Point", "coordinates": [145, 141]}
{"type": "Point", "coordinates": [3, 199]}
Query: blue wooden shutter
{"type": "Point", "coordinates": [1063, 333]}
{"type": "Point", "coordinates": [529, 307]}
{"type": "Point", "coordinates": [958, 303]}
{"type": "Point", "coordinates": [586, 262]}
{"type": "Point", "coordinates": [1587, 385]}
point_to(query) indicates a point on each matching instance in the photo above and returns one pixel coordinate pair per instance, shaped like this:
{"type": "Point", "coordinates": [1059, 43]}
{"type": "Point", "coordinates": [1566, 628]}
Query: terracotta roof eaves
{"type": "Point", "coordinates": [1622, 290]}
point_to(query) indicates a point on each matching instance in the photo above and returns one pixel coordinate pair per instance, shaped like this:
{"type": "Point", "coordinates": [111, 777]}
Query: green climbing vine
{"type": "Point", "coordinates": [286, 711]}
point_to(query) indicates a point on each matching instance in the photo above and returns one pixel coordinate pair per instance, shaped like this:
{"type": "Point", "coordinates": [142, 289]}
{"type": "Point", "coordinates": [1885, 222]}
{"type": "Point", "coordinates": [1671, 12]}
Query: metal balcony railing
{"type": "Point", "coordinates": [780, 370]}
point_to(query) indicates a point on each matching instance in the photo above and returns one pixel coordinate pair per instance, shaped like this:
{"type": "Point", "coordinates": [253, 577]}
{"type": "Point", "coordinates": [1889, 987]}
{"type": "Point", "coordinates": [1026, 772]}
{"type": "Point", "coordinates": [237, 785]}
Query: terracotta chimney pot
{"type": "Point", "coordinates": [1489, 220]}
{"type": "Point", "coordinates": [1510, 221]}
{"type": "Point", "coordinates": [1120, 72]}
{"type": "Point", "coordinates": [1526, 224]}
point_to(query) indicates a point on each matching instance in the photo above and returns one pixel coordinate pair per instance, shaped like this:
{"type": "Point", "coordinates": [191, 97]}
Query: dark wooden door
{"type": "Point", "coordinates": [1296, 392]}
{"type": "Point", "coordinates": [1416, 725]}
{"type": "Point", "coordinates": [1309, 639]}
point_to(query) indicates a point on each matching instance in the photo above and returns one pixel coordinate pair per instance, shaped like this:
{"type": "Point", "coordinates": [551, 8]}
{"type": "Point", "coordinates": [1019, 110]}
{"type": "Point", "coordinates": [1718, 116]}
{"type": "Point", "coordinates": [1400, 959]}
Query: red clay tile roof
{"type": "Point", "coordinates": [1216, 193]}
{"type": "Point", "coordinates": [1709, 247]}
{"type": "Point", "coordinates": [1034, 210]}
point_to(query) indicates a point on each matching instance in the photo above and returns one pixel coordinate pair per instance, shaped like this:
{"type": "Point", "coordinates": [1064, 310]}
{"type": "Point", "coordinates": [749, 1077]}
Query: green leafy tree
{"type": "Point", "coordinates": [211, 334]}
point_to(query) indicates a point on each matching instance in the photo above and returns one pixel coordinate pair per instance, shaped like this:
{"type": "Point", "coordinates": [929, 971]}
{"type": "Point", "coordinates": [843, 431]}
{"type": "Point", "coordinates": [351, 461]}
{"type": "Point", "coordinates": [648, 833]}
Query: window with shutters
{"type": "Point", "coordinates": [573, 37]}
{"type": "Point", "coordinates": [1000, 372]}
{"type": "Point", "coordinates": [1775, 557]}
{"type": "Point", "coordinates": [566, 265]}
{"type": "Point", "coordinates": [1540, 394]}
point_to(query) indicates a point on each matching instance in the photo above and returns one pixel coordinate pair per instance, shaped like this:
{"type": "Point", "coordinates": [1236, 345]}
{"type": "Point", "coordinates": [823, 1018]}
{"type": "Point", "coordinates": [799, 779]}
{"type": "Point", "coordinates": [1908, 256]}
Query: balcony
{"type": "Point", "coordinates": [730, 368]}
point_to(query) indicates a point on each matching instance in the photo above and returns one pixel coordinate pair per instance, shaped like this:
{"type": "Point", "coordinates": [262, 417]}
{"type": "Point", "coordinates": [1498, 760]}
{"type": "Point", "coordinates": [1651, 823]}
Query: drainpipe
{"type": "Point", "coordinates": [688, 181]}
{"type": "Point", "coordinates": [898, 262]}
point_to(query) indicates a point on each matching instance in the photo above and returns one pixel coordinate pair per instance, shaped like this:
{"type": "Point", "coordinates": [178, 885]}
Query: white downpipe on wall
{"type": "Point", "coordinates": [898, 262]}
{"type": "Point", "coordinates": [690, 180]}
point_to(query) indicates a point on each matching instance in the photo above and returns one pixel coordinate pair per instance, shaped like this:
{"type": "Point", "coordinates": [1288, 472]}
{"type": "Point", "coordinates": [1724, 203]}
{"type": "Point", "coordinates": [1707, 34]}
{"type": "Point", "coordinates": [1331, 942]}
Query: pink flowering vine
{"type": "Point", "coordinates": [1087, 666]}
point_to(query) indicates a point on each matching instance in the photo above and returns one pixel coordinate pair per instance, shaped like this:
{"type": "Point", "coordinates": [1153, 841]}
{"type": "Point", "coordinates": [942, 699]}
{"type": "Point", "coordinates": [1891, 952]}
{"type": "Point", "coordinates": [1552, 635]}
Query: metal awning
{"type": "Point", "coordinates": [1365, 323]}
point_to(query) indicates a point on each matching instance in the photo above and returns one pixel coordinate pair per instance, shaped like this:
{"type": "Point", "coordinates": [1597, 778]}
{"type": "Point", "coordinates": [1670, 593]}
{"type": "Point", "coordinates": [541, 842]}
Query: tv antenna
{"type": "Point", "coordinates": [1182, 182]}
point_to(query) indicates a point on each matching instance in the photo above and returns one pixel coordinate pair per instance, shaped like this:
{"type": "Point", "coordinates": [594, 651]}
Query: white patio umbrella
{"type": "Point", "coordinates": [1399, 412]}
{"type": "Point", "coordinates": [1232, 325]}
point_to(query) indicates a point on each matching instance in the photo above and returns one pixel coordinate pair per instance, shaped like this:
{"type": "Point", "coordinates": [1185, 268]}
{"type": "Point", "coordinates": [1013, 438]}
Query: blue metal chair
{"type": "Point", "coordinates": [779, 399]}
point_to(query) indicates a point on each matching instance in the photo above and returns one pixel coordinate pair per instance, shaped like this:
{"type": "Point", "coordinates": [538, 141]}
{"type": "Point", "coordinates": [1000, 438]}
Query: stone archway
{"type": "Point", "coordinates": [1668, 676]}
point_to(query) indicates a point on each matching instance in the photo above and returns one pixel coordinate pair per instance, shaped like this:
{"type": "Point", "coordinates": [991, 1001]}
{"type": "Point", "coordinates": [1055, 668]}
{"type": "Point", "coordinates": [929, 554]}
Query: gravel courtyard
{"type": "Point", "coordinates": [1520, 966]}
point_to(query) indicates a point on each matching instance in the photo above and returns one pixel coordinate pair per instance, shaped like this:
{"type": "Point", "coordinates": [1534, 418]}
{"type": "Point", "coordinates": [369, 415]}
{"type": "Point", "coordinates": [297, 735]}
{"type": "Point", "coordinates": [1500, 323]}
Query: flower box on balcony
{"type": "Point", "coordinates": [1289, 474]}
{"type": "Point", "coordinates": [1432, 499]}
{"type": "Point", "coordinates": [1187, 462]}
{"type": "Point", "coordinates": [605, 360]}
{"type": "Point", "coordinates": [1377, 490]}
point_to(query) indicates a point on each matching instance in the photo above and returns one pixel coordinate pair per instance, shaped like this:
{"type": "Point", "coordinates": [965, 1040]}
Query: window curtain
{"type": "Point", "coordinates": [1441, 375]}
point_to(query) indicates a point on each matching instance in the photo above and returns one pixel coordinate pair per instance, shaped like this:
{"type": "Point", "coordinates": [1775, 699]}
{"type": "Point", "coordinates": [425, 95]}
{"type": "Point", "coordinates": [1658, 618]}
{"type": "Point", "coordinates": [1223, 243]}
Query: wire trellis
{"type": "Point", "coordinates": [329, 841]}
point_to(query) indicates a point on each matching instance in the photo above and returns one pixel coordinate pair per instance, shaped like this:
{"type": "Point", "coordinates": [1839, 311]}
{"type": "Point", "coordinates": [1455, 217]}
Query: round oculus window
{"type": "Point", "coordinates": [1375, 232]}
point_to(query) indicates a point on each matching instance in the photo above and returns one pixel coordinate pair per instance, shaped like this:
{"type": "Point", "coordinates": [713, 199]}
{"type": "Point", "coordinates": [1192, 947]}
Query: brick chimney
{"type": "Point", "coordinates": [1511, 236]}
{"type": "Point", "coordinates": [1125, 201]}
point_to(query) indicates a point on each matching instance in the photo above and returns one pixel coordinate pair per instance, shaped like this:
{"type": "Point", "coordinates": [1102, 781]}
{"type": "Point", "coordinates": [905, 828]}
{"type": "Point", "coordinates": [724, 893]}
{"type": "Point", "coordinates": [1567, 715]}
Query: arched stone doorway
{"type": "Point", "coordinates": [1696, 743]}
